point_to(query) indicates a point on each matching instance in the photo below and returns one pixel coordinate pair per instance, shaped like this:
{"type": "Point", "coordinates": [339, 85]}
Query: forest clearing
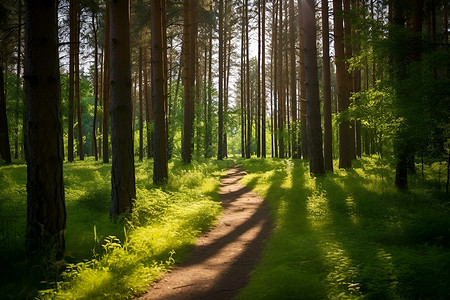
{"type": "Point", "coordinates": [126, 124]}
{"type": "Point", "coordinates": [350, 234]}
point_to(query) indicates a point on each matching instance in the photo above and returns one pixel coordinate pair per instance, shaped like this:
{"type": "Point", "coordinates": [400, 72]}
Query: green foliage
{"type": "Point", "coordinates": [350, 234]}
{"type": "Point", "coordinates": [104, 259]}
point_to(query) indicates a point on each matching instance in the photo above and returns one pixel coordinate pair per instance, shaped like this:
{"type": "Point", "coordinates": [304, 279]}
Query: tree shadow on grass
{"type": "Point", "coordinates": [372, 238]}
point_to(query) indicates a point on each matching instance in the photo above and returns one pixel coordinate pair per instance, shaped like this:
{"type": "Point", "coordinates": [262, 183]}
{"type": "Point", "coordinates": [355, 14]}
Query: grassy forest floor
{"type": "Point", "coordinates": [348, 234]}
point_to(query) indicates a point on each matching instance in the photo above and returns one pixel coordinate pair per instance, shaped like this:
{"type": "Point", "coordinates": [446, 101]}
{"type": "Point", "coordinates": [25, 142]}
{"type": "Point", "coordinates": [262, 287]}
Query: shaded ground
{"type": "Point", "coordinates": [220, 264]}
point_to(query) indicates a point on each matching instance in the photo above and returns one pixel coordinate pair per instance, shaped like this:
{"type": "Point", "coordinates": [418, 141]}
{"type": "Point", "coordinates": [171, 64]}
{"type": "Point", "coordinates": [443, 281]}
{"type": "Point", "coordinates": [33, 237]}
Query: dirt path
{"type": "Point", "coordinates": [220, 263]}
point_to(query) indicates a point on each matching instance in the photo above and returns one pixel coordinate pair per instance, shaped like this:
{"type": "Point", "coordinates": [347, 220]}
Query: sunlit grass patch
{"type": "Point", "coordinates": [107, 260]}
{"type": "Point", "coordinates": [349, 234]}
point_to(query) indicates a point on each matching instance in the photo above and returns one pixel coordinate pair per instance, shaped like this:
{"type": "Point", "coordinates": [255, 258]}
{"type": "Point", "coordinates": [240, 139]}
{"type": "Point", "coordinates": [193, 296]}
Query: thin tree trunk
{"type": "Point", "coordinates": [158, 43]}
{"type": "Point", "coordinates": [275, 75]}
{"type": "Point", "coordinates": [141, 108]}
{"type": "Point", "coordinates": [94, 126]}
{"type": "Point", "coordinates": [148, 112]}
{"type": "Point", "coordinates": [70, 137]}
{"type": "Point", "coordinates": [220, 108]}
{"type": "Point", "coordinates": [5, 151]}
{"type": "Point", "coordinates": [281, 115]}
{"type": "Point", "coordinates": [123, 188]}
{"type": "Point", "coordinates": [328, 132]}
{"type": "Point", "coordinates": [247, 83]}
{"type": "Point", "coordinates": [77, 79]}
{"type": "Point", "coordinates": [258, 115]}
{"type": "Point", "coordinates": [263, 79]}
{"type": "Point", "coordinates": [106, 88]}
{"type": "Point", "coordinates": [46, 212]}
{"type": "Point", "coordinates": [293, 79]}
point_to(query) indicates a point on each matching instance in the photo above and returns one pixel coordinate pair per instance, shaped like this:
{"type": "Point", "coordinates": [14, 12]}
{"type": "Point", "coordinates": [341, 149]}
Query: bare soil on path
{"type": "Point", "coordinates": [220, 263]}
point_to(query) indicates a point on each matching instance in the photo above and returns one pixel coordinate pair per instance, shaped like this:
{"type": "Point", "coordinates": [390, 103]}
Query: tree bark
{"type": "Point", "coordinates": [328, 133]}
{"type": "Point", "coordinates": [303, 117]}
{"type": "Point", "coordinates": [94, 126]}
{"type": "Point", "coordinates": [106, 87]}
{"type": "Point", "coordinates": [5, 150]}
{"type": "Point", "coordinates": [148, 107]}
{"type": "Point", "coordinates": [281, 100]}
{"type": "Point", "coordinates": [73, 28]}
{"type": "Point", "coordinates": [263, 80]}
{"type": "Point", "coordinates": [46, 211]}
{"type": "Point", "coordinates": [220, 152]}
{"type": "Point", "coordinates": [293, 79]}
{"type": "Point", "coordinates": [345, 160]}
{"type": "Point", "coordinates": [141, 118]}
{"type": "Point", "coordinates": [316, 165]}
{"type": "Point", "coordinates": [122, 169]}
{"type": "Point", "coordinates": [158, 44]}
{"type": "Point", "coordinates": [189, 78]}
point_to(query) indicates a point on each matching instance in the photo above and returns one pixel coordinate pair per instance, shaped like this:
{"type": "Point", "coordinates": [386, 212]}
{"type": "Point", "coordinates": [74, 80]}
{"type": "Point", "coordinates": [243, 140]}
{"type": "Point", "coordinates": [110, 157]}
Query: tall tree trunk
{"type": "Point", "coordinates": [345, 160]}
{"type": "Point", "coordinates": [293, 79]}
{"type": "Point", "coordinates": [220, 152]}
{"type": "Point", "coordinates": [148, 108]}
{"type": "Point", "coordinates": [348, 52]}
{"type": "Point", "coordinates": [158, 43]}
{"type": "Point", "coordinates": [189, 78]}
{"type": "Point", "coordinates": [275, 74]}
{"type": "Point", "coordinates": [73, 28]}
{"type": "Point", "coordinates": [263, 80]}
{"type": "Point", "coordinates": [18, 86]}
{"type": "Point", "coordinates": [46, 211]}
{"type": "Point", "coordinates": [77, 78]}
{"type": "Point", "coordinates": [316, 165]}
{"type": "Point", "coordinates": [5, 151]}
{"type": "Point", "coordinates": [242, 86]}
{"type": "Point", "coordinates": [247, 83]}
{"type": "Point", "coordinates": [258, 114]}
{"type": "Point", "coordinates": [281, 103]}
{"type": "Point", "coordinates": [94, 126]}
{"type": "Point", "coordinates": [106, 87]}
{"type": "Point", "coordinates": [122, 170]}
{"type": "Point", "coordinates": [141, 118]}
{"type": "Point", "coordinates": [303, 119]}
{"type": "Point", "coordinates": [328, 132]}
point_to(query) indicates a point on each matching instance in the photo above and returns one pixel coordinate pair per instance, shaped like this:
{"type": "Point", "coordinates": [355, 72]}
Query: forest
{"type": "Point", "coordinates": [120, 118]}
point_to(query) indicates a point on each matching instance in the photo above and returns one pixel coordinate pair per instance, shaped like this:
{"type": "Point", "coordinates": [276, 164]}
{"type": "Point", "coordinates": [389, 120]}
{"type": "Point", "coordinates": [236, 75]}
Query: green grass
{"type": "Point", "coordinates": [104, 259]}
{"type": "Point", "coordinates": [349, 234]}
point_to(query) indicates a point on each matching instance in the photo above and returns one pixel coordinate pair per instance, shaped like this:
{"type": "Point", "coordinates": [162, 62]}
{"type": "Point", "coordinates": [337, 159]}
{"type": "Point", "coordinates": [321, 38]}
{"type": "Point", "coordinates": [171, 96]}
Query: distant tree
{"type": "Point", "coordinates": [5, 151]}
{"type": "Point", "coordinates": [312, 90]}
{"type": "Point", "coordinates": [158, 43]}
{"type": "Point", "coordinates": [122, 169]}
{"type": "Point", "coordinates": [141, 107]}
{"type": "Point", "coordinates": [95, 79]}
{"type": "Point", "coordinates": [46, 212]}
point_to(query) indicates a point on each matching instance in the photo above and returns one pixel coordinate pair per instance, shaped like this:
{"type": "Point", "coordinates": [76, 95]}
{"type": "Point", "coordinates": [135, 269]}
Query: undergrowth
{"type": "Point", "coordinates": [104, 259]}
{"type": "Point", "coordinates": [350, 234]}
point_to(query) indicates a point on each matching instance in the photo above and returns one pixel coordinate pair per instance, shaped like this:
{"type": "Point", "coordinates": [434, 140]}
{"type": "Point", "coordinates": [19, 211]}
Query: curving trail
{"type": "Point", "coordinates": [220, 263]}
